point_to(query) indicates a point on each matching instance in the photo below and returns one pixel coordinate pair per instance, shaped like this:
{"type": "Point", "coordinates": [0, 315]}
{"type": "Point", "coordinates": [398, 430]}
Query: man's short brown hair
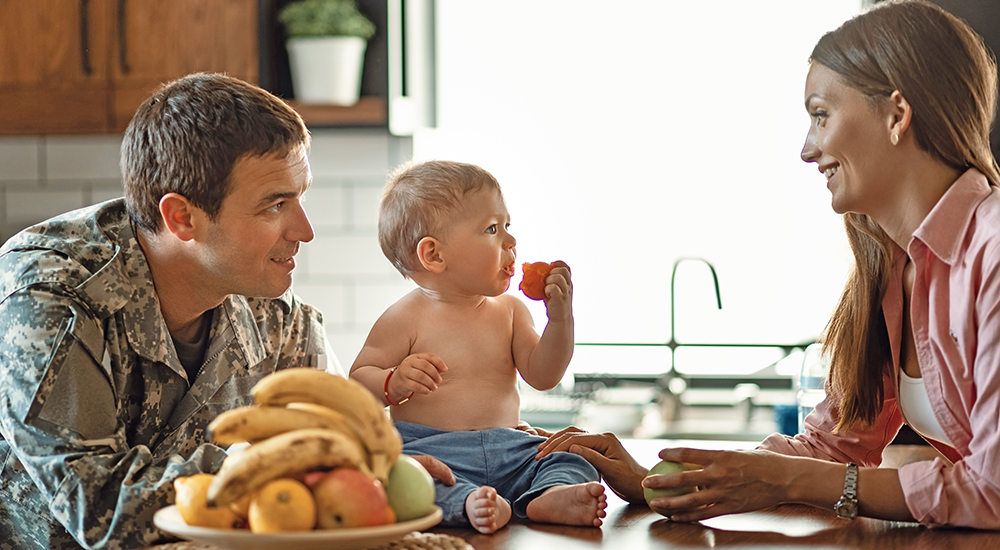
{"type": "Point", "coordinates": [187, 136]}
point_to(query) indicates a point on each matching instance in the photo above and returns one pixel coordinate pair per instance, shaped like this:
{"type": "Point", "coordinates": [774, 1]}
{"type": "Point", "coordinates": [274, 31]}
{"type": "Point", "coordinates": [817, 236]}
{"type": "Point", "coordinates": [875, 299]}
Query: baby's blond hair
{"type": "Point", "coordinates": [416, 199]}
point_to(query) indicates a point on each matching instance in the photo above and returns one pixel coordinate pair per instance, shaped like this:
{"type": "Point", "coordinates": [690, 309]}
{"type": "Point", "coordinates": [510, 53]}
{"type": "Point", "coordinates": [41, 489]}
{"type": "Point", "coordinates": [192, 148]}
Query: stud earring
{"type": "Point", "coordinates": [894, 138]}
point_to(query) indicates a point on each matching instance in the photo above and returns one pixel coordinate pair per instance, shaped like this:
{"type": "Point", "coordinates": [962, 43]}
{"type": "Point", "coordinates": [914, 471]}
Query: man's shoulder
{"type": "Point", "coordinates": [65, 250]}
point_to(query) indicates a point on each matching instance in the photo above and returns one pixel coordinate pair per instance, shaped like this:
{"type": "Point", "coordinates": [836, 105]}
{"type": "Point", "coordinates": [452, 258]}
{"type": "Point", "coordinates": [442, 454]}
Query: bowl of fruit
{"type": "Point", "coordinates": [323, 469]}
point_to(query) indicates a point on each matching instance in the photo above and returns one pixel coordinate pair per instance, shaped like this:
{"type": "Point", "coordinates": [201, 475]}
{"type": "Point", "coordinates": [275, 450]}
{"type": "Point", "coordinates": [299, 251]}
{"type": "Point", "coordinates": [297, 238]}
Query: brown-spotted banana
{"type": "Point", "coordinates": [365, 413]}
{"type": "Point", "coordinates": [283, 455]}
{"type": "Point", "coordinates": [254, 424]}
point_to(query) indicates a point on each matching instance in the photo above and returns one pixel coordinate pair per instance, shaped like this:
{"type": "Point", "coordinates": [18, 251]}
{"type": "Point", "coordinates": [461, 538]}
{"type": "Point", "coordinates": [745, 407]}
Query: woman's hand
{"type": "Point", "coordinates": [623, 474]}
{"type": "Point", "coordinates": [533, 430]}
{"type": "Point", "coordinates": [437, 469]}
{"type": "Point", "coordinates": [730, 482]}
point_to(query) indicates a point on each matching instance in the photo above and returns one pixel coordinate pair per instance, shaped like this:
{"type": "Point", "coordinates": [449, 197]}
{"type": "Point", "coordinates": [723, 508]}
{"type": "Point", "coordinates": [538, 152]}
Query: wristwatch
{"type": "Point", "coordinates": [847, 506]}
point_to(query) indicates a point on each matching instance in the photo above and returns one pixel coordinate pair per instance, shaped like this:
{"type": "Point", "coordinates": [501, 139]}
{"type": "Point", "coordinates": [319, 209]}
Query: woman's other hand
{"type": "Point", "coordinates": [730, 482]}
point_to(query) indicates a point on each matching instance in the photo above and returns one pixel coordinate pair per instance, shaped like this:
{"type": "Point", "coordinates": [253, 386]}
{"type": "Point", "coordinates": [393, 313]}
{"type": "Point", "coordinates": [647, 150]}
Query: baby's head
{"type": "Point", "coordinates": [419, 200]}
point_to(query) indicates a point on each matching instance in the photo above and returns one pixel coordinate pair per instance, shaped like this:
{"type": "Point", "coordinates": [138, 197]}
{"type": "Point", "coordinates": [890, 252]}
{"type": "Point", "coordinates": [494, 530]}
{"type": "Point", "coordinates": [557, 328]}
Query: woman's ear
{"type": "Point", "coordinates": [178, 215]}
{"type": "Point", "coordinates": [429, 255]}
{"type": "Point", "coordinates": [900, 116]}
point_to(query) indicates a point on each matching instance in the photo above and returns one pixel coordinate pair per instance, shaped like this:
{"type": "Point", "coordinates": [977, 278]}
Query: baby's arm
{"type": "Point", "coordinates": [542, 361]}
{"type": "Point", "coordinates": [388, 346]}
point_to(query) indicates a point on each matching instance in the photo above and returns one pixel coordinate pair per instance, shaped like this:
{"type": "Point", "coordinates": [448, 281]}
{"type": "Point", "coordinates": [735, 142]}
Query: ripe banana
{"type": "Point", "coordinates": [362, 410]}
{"type": "Point", "coordinates": [283, 455]}
{"type": "Point", "coordinates": [254, 424]}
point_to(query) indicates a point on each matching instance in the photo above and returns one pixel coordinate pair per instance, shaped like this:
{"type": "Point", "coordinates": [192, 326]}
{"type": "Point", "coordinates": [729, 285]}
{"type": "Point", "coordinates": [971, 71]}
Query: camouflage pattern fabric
{"type": "Point", "coordinates": [97, 414]}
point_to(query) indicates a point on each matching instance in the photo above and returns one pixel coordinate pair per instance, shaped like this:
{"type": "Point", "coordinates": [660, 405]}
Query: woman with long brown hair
{"type": "Point", "coordinates": [901, 99]}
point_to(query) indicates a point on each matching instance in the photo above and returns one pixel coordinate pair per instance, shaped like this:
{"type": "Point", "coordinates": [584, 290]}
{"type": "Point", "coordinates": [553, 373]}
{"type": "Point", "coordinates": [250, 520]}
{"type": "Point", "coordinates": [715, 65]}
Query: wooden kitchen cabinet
{"type": "Point", "coordinates": [84, 66]}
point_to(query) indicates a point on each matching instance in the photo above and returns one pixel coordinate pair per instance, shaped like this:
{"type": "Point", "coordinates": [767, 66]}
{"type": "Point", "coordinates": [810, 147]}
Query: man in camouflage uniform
{"type": "Point", "coordinates": [126, 327]}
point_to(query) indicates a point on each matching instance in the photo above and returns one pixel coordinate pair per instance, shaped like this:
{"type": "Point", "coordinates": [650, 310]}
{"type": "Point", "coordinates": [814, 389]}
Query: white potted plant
{"type": "Point", "coordinates": [326, 49]}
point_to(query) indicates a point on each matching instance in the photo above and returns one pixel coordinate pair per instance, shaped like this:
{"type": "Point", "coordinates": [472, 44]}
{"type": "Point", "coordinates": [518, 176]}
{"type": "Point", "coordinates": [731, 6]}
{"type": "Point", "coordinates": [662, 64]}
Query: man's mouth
{"type": "Point", "coordinates": [830, 172]}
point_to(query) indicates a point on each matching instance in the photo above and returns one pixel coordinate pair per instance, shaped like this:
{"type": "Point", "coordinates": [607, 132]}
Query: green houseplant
{"type": "Point", "coordinates": [326, 48]}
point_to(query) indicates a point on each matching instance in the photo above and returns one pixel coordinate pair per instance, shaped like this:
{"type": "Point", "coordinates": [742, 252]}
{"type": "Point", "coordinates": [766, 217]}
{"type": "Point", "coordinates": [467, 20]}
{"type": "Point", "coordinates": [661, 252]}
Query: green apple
{"type": "Point", "coordinates": [410, 489]}
{"type": "Point", "coordinates": [667, 467]}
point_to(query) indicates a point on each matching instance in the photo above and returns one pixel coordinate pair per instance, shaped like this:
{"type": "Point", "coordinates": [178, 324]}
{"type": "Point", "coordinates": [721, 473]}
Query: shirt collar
{"type": "Point", "coordinates": [944, 229]}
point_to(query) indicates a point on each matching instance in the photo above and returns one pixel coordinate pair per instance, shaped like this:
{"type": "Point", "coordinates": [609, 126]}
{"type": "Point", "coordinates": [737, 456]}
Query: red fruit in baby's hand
{"type": "Point", "coordinates": [533, 282]}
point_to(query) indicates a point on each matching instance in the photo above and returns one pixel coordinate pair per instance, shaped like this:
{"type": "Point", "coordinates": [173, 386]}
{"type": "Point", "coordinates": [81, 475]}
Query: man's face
{"type": "Point", "coordinates": [249, 249]}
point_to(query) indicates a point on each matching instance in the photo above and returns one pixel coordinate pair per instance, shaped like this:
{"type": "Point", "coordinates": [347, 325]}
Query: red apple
{"type": "Point", "coordinates": [346, 497]}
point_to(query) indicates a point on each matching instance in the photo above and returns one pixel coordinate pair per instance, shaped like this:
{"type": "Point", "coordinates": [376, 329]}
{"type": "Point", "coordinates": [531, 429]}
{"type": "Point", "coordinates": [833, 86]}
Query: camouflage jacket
{"type": "Point", "coordinates": [97, 414]}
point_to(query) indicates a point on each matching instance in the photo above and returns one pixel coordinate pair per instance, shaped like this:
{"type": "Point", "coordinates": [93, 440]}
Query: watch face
{"type": "Point", "coordinates": [847, 509]}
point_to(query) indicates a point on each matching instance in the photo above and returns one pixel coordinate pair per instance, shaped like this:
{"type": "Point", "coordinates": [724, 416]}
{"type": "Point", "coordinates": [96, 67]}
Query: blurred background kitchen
{"type": "Point", "coordinates": [653, 145]}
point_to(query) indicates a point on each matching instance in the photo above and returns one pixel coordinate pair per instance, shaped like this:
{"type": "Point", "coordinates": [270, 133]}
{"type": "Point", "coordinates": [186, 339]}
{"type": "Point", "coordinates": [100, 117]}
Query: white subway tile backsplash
{"type": "Point", "coordinates": [347, 255]}
{"type": "Point", "coordinates": [19, 158]}
{"type": "Point", "coordinates": [101, 195]}
{"type": "Point", "coordinates": [346, 345]}
{"type": "Point", "coordinates": [83, 157]}
{"type": "Point", "coordinates": [365, 206]}
{"type": "Point", "coordinates": [331, 299]}
{"type": "Point", "coordinates": [325, 207]}
{"type": "Point", "coordinates": [28, 207]}
{"type": "Point", "coordinates": [349, 153]}
{"type": "Point", "coordinates": [376, 299]}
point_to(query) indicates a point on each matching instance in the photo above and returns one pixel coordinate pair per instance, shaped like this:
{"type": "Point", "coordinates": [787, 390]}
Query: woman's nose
{"type": "Point", "coordinates": [810, 152]}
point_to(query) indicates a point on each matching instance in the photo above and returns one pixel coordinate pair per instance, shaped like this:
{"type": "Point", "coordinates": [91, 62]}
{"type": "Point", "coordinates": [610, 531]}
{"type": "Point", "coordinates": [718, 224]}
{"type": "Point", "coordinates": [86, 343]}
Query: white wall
{"type": "Point", "coordinates": [628, 134]}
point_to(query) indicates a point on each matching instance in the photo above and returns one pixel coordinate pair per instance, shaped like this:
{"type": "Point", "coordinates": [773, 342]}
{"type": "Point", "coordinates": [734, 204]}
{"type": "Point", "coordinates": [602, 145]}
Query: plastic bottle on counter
{"type": "Point", "coordinates": [812, 381]}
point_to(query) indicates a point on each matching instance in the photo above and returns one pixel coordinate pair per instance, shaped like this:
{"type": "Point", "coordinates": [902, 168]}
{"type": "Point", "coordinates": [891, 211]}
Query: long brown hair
{"type": "Point", "coordinates": [943, 70]}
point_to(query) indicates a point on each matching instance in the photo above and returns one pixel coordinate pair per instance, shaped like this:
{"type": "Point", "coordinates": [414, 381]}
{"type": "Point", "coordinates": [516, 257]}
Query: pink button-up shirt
{"type": "Point", "coordinates": [955, 310]}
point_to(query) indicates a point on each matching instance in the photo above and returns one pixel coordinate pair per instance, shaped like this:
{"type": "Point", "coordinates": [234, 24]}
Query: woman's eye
{"type": "Point", "coordinates": [818, 116]}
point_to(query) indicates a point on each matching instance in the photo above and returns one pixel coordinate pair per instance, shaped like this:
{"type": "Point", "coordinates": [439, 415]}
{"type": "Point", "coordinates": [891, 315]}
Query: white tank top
{"type": "Point", "coordinates": [916, 407]}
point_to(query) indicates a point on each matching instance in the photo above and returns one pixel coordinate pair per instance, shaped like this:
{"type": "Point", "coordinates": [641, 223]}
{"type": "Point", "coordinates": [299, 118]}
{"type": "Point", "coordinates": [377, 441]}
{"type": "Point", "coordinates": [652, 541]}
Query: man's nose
{"type": "Point", "coordinates": [301, 229]}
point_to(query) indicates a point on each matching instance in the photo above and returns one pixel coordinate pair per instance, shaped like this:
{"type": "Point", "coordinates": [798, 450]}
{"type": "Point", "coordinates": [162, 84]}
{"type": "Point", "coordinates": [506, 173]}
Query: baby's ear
{"type": "Point", "coordinates": [429, 255]}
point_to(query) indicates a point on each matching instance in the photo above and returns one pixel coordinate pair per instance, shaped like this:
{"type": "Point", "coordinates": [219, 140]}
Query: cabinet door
{"type": "Point", "coordinates": [159, 40]}
{"type": "Point", "coordinates": [54, 66]}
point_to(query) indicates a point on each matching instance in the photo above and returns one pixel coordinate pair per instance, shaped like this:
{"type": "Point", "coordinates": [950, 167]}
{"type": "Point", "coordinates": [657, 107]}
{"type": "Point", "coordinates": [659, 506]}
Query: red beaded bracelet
{"type": "Point", "coordinates": [385, 389]}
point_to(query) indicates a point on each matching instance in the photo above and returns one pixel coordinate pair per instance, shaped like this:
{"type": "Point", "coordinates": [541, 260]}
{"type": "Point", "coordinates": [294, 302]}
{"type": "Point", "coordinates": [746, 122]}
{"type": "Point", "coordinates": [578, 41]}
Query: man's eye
{"type": "Point", "coordinates": [276, 207]}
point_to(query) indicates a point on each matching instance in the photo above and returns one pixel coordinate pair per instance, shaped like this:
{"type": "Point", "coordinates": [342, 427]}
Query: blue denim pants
{"type": "Point", "coordinates": [503, 458]}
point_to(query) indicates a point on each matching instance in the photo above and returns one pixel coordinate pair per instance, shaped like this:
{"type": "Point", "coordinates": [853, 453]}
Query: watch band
{"type": "Point", "coordinates": [847, 506]}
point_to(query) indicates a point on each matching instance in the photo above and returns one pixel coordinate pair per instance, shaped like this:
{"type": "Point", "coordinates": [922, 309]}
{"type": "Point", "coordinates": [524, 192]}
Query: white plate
{"type": "Point", "coordinates": [169, 519]}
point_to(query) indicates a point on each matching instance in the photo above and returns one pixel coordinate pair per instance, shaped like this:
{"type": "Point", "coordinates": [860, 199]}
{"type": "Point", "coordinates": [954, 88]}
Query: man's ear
{"type": "Point", "coordinates": [901, 114]}
{"type": "Point", "coordinates": [178, 215]}
{"type": "Point", "coordinates": [429, 255]}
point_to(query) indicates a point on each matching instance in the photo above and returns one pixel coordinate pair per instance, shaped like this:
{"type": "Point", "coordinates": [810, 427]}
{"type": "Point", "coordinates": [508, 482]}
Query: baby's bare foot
{"type": "Point", "coordinates": [580, 504]}
{"type": "Point", "coordinates": [487, 511]}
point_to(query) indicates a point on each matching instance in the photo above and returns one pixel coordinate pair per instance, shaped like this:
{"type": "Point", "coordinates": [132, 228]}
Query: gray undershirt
{"type": "Point", "coordinates": [192, 354]}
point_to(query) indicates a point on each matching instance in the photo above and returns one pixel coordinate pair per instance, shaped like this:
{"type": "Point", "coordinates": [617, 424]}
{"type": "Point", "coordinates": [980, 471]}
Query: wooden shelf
{"type": "Point", "coordinates": [368, 111]}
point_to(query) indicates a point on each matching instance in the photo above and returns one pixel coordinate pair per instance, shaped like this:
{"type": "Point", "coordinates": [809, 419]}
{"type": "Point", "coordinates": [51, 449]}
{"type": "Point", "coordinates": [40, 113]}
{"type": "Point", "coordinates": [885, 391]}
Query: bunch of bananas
{"type": "Point", "coordinates": [302, 420]}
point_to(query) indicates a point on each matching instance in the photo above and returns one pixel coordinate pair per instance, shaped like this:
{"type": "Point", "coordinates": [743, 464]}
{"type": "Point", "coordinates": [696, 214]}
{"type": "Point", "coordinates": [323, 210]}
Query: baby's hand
{"type": "Point", "coordinates": [418, 373]}
{"type": "Point", "coordinates": [559, 292]}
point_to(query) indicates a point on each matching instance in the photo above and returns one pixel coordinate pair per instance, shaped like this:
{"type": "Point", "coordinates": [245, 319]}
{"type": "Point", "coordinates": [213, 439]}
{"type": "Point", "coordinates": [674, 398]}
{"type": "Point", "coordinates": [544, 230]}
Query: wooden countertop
{"type": "Point", "coordinates": [632, 527]}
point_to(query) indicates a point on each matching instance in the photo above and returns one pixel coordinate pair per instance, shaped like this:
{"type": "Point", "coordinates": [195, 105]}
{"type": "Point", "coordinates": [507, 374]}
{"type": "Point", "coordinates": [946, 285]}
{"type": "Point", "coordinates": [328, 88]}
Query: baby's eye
{"type": "Point", "coordinates": [492, 230]}
{"type": "Point", "coordinates": [506, 226]}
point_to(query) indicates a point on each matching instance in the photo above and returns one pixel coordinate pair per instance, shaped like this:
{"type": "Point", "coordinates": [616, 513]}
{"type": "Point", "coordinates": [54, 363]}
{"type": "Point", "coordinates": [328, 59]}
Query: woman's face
{"type": "Point", "coordinates": [848, 140]}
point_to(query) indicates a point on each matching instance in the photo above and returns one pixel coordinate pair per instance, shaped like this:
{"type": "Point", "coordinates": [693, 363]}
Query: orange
{"type": "Point", "coordinates": [533, 281]}
{"type": "Point", "coordinates": [282, 505]}
{"type": "Point", "coordinates": [191, 498]}
{"type": "Point", "coordinates": [242, 506]}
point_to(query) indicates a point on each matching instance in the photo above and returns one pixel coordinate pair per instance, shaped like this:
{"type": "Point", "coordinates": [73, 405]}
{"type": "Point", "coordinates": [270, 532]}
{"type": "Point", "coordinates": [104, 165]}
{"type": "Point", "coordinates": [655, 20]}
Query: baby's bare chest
{"type": "Point", "coordinates": [468, 343]}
